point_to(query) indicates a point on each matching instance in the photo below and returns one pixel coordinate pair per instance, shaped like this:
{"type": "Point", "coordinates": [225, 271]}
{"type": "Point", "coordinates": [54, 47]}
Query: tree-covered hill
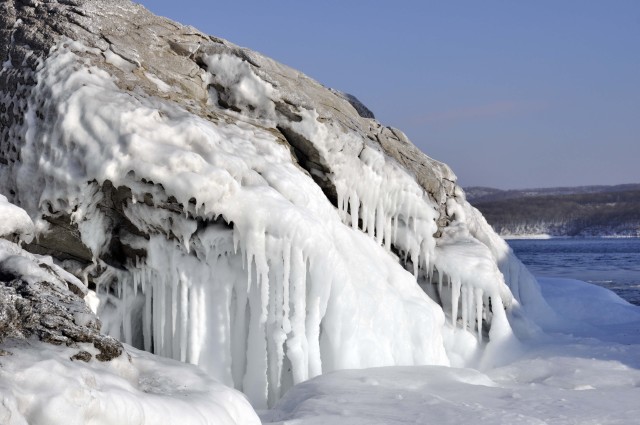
{"type": "Point", "coordinates": [582, 211]}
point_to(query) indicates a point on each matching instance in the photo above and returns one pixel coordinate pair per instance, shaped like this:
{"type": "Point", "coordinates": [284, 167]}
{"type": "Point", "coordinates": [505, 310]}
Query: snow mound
{"type": "Point", "coordinates": [14, 221]}
{"type": "Point", "coordinates": [586, 372]}
{"type": "Point", "coordinates": [41, 385]}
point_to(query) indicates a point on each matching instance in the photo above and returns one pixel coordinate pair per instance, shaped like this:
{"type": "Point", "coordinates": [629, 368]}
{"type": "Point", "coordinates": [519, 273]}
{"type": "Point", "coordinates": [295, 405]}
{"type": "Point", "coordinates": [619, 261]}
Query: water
{"type": "Point", "coordinates": [611, 263]}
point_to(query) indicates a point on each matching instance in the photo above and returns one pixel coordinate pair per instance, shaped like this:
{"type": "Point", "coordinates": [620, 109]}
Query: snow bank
{"type": "Point", "coordinates": [41, 385]}
{"type": "Point", "coordinates": [586, 309]}
{"type": "Point", "coordinates": [558, 378]}
{"type": "Point", "coordinates": [551, 389]}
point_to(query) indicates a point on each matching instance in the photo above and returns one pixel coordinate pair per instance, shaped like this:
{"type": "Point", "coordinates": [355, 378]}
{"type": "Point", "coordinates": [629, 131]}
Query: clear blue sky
{"type": "Point", "coordinates": [511, 94]}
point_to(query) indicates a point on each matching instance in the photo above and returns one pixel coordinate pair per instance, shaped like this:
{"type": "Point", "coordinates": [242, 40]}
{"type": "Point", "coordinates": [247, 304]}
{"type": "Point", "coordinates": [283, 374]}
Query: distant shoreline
{"type": "Point", "coordinates": [544, 236]}
{"type": "Point", "coordinates": [581, 212]}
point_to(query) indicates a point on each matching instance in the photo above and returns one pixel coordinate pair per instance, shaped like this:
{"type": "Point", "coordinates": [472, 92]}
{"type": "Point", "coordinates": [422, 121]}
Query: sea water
{"type": "Point", "coordinates": [613, 263]}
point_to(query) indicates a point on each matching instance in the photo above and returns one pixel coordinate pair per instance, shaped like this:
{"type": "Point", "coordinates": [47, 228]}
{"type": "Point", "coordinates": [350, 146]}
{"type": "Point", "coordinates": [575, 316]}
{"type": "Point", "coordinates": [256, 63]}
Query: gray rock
{"type": "Point", "coordinates": [38, 301]}
{"type": "Point", "coordinates": [84, 356]}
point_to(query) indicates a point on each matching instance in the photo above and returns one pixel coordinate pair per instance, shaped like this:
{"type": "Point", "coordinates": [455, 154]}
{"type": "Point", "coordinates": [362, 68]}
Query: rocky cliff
{"type": "Point", "coordinates": [231, 212]}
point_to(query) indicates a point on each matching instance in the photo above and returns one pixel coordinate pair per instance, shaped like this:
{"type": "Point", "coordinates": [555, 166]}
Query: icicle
{"type": "Point", "coordinates": [440, 277]}
{"type": "Point", "coordinates": [354, 204]}
{"type": "Point", "coordinates": [174, 331]}
{"type": "Point", "coordinates": [395, 229]}
{"type": "Point", "coordinates": [465, 306]}
{"type": "Point", "coordinates": [184, 318]}
{"type": "Point", "coordinates": [156, 315]}
{"type": "Point", "coordinates": [479, 298]}
{"type": "Point", "coordinates": [286, 283]}
{"type": "Point", "coordinates": [195, 324]}
{"type": "Point", "coordinates": [367, 225]}
{"type": "Point", "coordinates": [236, 240]}
{"type": "Point", "coordinates": [255, 383]}
{"type": "Point", "coordinates": [297, 342]}
{"type": "Point", "coordinates": [240, 334]}
{"type": "Point", "coordinates": [126, 316]}
{"type": "Point", "coordinates": [471, 302]}
{"type": "Point", "coordinates": [314, 316]}
{"type": "Point", "coordinates": [341, 203]}
{"type": "Point", "coordinates": [455, 296]}
{"type": "Point", "coordinates": [387, 233]}
{"type": "Point", "coordinates": [146, 319]}
{"type": "Point", "coordinates": [249, 263]}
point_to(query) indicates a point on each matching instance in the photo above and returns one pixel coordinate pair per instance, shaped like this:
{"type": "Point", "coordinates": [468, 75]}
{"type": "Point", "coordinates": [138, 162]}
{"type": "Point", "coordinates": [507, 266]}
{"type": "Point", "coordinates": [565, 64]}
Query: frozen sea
{"type": "Point", "coordinates": [613, 263]}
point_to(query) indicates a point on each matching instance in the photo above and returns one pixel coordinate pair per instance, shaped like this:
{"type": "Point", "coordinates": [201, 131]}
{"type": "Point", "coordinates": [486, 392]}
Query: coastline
{"type": "Point", "coordinates": [543, 236]}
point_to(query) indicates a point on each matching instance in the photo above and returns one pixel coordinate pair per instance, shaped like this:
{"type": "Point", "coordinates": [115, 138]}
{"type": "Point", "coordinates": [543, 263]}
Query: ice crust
{"type": "Point", "coordinates": [260, 280]}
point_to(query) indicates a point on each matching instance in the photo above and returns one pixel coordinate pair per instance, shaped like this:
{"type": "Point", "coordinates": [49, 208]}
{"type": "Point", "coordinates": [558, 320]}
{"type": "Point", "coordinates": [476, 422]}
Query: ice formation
{"type": "Point", "coordinates": [246, 268]}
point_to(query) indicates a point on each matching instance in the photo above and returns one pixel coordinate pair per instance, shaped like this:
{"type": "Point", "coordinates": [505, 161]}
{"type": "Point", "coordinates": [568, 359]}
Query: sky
{"type": "Point", "coordinates": [509, 94]}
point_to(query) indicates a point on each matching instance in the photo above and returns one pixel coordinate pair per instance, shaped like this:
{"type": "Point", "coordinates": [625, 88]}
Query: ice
{"type": "Point", "coordinates": [559, 378]}
{"type": "Point", "coordinates": [250, 272]}
{"type": "Point", "coordinates": [118, 61]}
{"type": "Point", "coordinates": [274, 289]}
{"type": "Point", "coordinates": [244, 88]}
{"type": "Point", "coordinates": [161, 85]}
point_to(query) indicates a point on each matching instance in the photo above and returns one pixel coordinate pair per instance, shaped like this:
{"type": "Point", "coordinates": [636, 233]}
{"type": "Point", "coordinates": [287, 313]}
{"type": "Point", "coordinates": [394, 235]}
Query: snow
{"type": "Point", "coordinates": [161, 85]}
{"type": "Point", "coordinates": [591, 311]}
{"type": "Point", "coordinates": [528, 236]}
{"type": "Point", "coordinates": [243, 87]}
{"type": "Point", "coordinates": [588, 372]}
{"type": "Point", "coordinates": [118, 61]}
{"type": "Point", "coordinates": [17, 262]}
{"type": "Point", "coordinates": [41, 385]}
{"type": "Point", "coordinates": [15, 220]}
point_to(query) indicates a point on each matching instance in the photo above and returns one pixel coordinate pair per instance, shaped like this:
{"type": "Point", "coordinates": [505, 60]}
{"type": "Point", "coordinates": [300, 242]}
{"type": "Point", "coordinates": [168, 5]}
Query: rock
{"type": "Point", "coordinates": [38, 300]}
{"type": "Point", "coordinates": [109, 347]}
{"type": "Point", "coordinates": [84, 356]}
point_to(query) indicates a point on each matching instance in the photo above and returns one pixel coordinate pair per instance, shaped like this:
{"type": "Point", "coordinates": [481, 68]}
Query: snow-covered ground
{"type": "Point", "coordinates": [41, 385]}
{"type": "Point", "coordinates": [586, 371]}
